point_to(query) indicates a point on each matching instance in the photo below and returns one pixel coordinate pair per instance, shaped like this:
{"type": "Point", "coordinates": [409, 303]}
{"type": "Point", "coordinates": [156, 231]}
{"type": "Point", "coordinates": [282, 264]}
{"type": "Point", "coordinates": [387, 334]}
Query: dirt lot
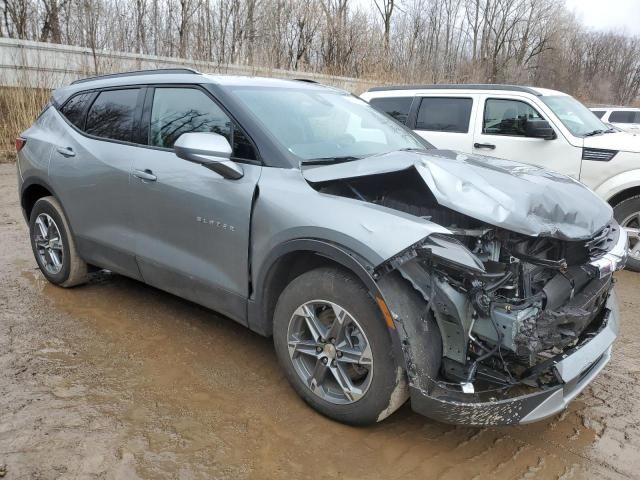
{"type": "Point", "coordinates": [119, 380]}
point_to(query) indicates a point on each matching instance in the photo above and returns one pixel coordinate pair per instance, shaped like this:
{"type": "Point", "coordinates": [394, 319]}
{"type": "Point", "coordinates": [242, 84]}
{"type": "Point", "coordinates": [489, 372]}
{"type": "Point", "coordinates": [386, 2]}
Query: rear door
{"type": "Point", "coordinates": [500, 132]}
{"type": "Point", "coordinates": [89, 171]}
{"type": "Point", "coordinates": [192, 224]}
{"type": "Point", "coordinates": [446, 121]}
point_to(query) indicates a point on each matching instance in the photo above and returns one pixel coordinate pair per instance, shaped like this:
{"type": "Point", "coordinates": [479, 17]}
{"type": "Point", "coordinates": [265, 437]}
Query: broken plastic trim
{"type": "Point", "coordinates": [438, 247]}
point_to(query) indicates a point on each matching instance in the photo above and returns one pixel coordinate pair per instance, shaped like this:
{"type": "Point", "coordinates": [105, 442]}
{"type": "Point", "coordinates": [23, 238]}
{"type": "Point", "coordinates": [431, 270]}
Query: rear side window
{"type": "Point", "coordinates": [507, 117]}
{"type": "Point", "coordinates": [396, 107]}
{"type": "Point", "coordinates": [112, 114]}
{"type": "Point", "coordinates": [75, 108]}
{"type": "Point", "coordinates": [598, 113]}
{"type": "Point", "coordinates": [622, 116]}
{"type": "Point", "coordinates": [182, 110]}
{"type": "Point", "coordinates": [444, 114]}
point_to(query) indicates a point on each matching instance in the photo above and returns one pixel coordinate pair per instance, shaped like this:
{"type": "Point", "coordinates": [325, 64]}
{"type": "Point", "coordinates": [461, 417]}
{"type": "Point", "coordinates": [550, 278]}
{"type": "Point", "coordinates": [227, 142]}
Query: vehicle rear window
{"type": "Point", "coordinates": [75, 108]}
{"type": "Point", "coordinates": [442, 114]}
{"type": "Point", "coordinates": [598, 113]}
{"type": "Point", "coordinates": [112, 114]}
{"type": "Point", "coordinates": [183, 110]}
{"type": "Point", "coordinates": [624, 116]}
{"type": "Point", "coordinates": [396, 107]}
{"type": "Point", "coordinates": [507, 117]}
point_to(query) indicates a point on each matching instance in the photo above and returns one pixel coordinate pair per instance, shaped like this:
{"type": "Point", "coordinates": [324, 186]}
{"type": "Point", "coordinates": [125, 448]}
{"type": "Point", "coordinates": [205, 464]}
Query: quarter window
{"type": "Point", "coordinates": [624, 116]}
{"type": "Point", "coordinates": [396, 107]}
{"type": "Point", "coordinates": [444, 114]}
{"type": "Point", "coordinates": [507, 117]}
{"type": "Point", "coordinates": [183, 110]}
{"type": "Point", "coordinates": [75, 109]}
{"type": "Point", "coordinates": [598, 113]}
{"type": "Point", "coordinates": [112, 114]}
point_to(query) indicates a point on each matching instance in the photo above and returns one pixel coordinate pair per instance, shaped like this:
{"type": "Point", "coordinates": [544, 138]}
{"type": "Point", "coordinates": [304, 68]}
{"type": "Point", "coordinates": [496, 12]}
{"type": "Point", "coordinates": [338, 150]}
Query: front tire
{"type": "Point", "coordinates": [53, 246]}
{"type": "Point", "coordinates": [627, 214]}
{"type": "Point", "coordinates": [334, 347]}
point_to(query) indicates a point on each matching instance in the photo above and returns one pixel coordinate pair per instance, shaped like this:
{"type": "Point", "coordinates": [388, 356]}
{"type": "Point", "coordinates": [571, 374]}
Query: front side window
{"type": "Point", "coordinates": [624, 116]}
{"type": "Point", "coordinates": [75, 109]}
{"type": "Point", "coordinates": [112, 114]}
{"type": "Point", "coordinates": [599, 113]}
{"type": "Point", "coordinates": [578, 119]}
{"type": "Point", "coordinates": [396, 107]}
{"type": "Point", "coordinates": [444, 114]}
{"type": "Point", "coordinates": [507, 117]}
{"type": "Point", "coordinates": [320, 124]}
{"type": "Point", "coordinates": [184, 110]}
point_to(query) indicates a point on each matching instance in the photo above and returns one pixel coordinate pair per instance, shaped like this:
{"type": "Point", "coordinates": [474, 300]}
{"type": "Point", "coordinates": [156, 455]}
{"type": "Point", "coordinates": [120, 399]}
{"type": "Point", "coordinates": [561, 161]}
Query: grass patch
{"type": "Point", "coordinates": [19, 107]}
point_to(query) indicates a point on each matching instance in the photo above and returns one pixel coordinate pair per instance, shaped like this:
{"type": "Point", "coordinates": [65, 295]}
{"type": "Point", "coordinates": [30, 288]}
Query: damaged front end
{"type": "Point", "coordinates": [525, 318]}
{"type": "Point", "coordinates": [523, 331]}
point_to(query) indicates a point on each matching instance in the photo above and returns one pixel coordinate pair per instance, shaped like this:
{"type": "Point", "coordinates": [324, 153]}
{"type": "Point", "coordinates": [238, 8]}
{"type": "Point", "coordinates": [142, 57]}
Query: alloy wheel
{"type": "Point", "coordinates": [330, 352]}
{"type": "Point", "coordinates": [632, 225]}
{"type": "Point", "coordinates": [49, 246]}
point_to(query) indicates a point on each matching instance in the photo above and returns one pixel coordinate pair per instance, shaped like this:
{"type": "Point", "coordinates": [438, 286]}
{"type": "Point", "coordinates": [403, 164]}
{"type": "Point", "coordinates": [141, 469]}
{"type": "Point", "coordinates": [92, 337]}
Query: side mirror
{"type": "Point", "coordinates": [538, 128]}
{"type": "Point", "coordinates": [209, 150]}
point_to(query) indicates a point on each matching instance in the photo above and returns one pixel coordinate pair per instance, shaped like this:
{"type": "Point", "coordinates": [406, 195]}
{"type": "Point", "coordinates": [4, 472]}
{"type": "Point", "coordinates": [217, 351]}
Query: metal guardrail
{"type": "Point", "coordinates": [47, 65]}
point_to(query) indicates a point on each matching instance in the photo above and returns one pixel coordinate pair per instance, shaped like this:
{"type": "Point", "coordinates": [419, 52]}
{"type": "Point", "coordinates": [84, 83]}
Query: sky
{"type": "Point", "coordinates": [608, 15]}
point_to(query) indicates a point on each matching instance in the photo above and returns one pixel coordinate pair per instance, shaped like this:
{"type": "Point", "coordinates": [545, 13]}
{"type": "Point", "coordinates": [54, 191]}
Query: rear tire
{"type": "Point", "coordinates": [360, 354]}
{"type": "Point", "coordinates": [53, 245]}
{"type": "Point", "coordinates": [627, 214]}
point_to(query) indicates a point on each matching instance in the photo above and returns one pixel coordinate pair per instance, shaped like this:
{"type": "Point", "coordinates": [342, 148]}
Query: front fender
{"type": "Point", "coordinates": [618, 183]}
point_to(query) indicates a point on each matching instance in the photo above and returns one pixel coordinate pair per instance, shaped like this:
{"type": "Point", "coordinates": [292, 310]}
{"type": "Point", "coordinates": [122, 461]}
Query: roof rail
{"type": "Point", "coordinates": [460, 86]}
{"type": "Point", "coordinates": [135, 73]}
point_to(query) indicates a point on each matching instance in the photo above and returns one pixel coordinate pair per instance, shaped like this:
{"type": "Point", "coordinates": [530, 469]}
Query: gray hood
{"type": "Point", "coordinates": [514, 196]}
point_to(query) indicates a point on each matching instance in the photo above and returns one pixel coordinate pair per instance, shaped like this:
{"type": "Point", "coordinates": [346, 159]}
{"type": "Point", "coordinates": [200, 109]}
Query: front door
{"type": "Point", "coordinates": [500, 132]}
{"type": "Point", "coordinates": [192, 224]}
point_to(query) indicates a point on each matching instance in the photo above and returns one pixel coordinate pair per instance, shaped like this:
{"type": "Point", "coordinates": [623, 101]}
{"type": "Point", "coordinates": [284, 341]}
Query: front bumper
{"type": "Point", "coordinates": [575, 369]}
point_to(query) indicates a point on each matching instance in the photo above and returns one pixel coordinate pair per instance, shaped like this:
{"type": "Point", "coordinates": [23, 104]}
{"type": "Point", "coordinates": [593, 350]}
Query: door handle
{"type": "Point", "coordinates": [66, 152]}
{"type": "Point", "coordinates": [490, 146]}
{"type": "Point", "coordinates": [145, 175]}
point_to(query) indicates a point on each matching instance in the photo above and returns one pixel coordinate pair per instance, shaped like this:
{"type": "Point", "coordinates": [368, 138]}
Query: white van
{"type": "Point", "coordinates": [626, 118]}
{"type": "Point", "coordinates": [531, 125]}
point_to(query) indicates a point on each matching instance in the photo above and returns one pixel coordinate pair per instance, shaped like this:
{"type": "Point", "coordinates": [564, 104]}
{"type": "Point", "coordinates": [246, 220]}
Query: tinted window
{"type": "Point", "coordinates": [182, 110]}
{"type": "Point", "coordinates": [397, 107]}
{"type": "Point", "coordinates": [507, 117]}
{"type": "Point", "coordinates": [444, 114]}
{"type": "Point", "coordinates": [75, 109]}
{"type": "Point", "coordinates": [112, 114]}
{"type": "Point", "coordinates": [621, 116]}
{"type": "Point", "coordinates": [598, 113]}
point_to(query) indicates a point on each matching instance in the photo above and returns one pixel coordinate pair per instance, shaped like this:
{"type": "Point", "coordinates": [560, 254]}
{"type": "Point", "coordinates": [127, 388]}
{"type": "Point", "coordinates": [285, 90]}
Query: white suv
{"type": "Point", "coordinates": [531, 125]}
{"type": "Point", "coordinates": [626, 118]}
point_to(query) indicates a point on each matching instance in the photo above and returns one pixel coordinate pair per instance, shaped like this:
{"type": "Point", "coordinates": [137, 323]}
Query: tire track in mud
{"type": "Point", "coordinates": [119, 380]}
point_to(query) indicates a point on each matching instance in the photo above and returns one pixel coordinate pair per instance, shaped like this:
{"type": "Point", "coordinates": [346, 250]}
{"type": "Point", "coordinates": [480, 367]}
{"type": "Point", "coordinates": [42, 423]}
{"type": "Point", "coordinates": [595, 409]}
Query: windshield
{"type": "Point", "coordinates": [324, 124]}
{"type": "Point", "coordinates": [575, 116]}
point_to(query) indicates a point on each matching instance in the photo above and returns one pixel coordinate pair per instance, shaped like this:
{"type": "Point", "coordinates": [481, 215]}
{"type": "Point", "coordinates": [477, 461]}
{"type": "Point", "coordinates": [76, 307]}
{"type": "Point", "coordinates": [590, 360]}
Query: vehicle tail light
{"type": "Point", "coordinates": [20, 142]}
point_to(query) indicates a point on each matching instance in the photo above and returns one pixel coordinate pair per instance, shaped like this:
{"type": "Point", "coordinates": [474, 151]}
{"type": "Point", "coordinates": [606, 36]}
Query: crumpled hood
{"type": "Point", "coordinates": [514, 196]}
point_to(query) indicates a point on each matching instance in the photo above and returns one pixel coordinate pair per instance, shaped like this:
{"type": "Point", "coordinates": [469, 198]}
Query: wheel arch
{"type": "Point", "coordinates": [32, 191]}
{"type": "Point", "coordinates": [624, 195]}
{"type": "Point", "coordinates": [293, 258]}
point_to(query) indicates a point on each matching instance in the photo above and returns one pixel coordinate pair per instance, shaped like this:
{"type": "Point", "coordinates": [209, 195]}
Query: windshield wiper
{"type": "Point", "coordinates": [330, 160]}
{"type": "Point", "coordinates": [594, 132]}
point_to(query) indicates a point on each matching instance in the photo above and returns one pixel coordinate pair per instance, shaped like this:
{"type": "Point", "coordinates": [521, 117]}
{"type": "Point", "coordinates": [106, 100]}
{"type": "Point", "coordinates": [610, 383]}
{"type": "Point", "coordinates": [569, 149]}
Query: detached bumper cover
{"type": "Point", "coordinates": [576, 369]}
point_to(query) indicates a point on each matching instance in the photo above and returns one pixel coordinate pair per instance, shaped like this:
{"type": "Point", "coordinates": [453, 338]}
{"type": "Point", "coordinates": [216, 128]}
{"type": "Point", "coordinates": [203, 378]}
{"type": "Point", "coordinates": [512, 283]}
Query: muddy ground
{"type": "Point", "coordinates": [119, 380]}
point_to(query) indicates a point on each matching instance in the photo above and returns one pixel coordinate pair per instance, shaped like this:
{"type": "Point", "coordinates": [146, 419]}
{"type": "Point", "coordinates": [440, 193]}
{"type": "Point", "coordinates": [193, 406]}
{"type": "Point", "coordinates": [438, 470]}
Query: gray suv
{"type": "Point", "coordinates": [383, 269]}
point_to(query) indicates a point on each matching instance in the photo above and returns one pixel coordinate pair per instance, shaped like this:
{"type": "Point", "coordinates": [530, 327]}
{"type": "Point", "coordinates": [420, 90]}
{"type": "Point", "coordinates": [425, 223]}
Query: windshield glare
{"type": "Point", "coordinates": [316, 124]}
{"type": "Point", "coordinates": [578, 119]}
